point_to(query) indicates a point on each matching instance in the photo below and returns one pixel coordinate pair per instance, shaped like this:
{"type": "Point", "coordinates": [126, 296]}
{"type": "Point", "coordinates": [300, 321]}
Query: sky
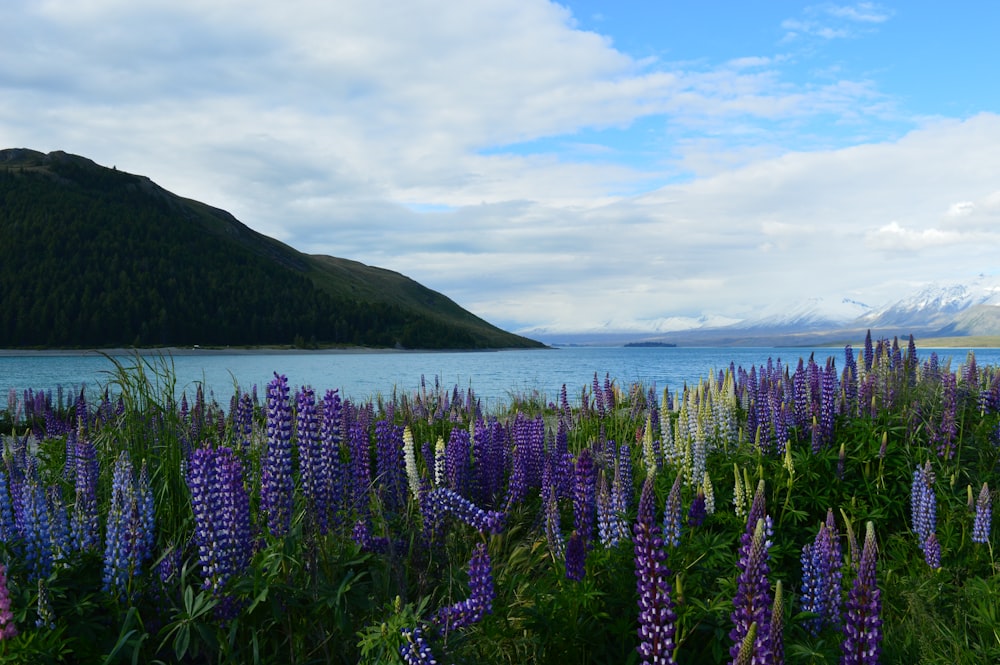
{"type": "Point", "coordinates": [551, 167]}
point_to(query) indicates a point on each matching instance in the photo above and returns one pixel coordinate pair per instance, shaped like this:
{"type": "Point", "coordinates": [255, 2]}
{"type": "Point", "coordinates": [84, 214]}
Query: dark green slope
{"type": "Point", "coordinates": [95, 257]}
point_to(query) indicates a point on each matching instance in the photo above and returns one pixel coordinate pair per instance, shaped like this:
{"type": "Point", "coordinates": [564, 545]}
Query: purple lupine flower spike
{"type": "Point", "coordinates": [576, 557]}
{"type": "Point", "coordinates": [277, 488]}
{"type": "Point", "coordinates": [481, 595]}
{"type": "Point", "coordinates": [821, 577]}
{"type": "Point", "coordinates": [415, 650]}
{"type": "Point", "coordinates": [657, 618]}
{"type": "Point", "coordinates": [672, 515]}
{"type": "Point", "coordinates": [584, 497]}
{"type": "Point", "coordinates": [863, 625]}
{"type": "Point", "coordinates": [8, 629]}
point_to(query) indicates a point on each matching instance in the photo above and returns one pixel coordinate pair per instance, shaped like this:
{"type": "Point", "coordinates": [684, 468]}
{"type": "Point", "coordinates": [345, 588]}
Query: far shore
{"type": "Point", "coordinates": [224, 350]}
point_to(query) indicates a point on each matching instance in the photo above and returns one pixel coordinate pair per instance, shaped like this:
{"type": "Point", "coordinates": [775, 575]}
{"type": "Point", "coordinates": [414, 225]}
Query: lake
{"type": "Point", "coordinates": [493, 375]}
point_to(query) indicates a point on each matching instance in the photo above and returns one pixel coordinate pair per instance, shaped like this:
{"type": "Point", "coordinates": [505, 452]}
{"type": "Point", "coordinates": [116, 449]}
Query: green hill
{"type": "Point", "coordinates": [95, 257]}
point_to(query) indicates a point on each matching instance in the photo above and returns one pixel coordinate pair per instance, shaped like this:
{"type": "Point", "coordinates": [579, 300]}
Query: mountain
{"type": "Point", "coordinates": [934, 311]}
{"type": "Point", "coordinates": [96, 257]}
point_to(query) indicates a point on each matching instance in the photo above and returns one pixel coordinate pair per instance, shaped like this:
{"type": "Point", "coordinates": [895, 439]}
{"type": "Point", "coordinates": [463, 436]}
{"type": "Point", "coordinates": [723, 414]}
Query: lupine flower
{"type": "Point", "coordinates": [697, 511]}
{"type": "Point", "coordinates": [672, 515]}
{"type": "Point", "coordinates": [481, 595]}
{"type": "Point", "coordinates": [331, 494]}
{"type": "Point", "coordinates": [440, 474]}
{"type": "Point", "coordinates": [8, 529]}
{"type": "Point", "coordinates": [34, 529]}
{"type": "Point", "coordinates": [863, 625]}
{"type": "Point", "coordinates": [923, 503]}
{"type": "Point", "coordinates": [584, 497]}
{"type": "Point", "coordinates": [576, 557]}
{"type": "Point", "coordinates": [84, 523]}
{"type": "Point", "coordinates": [58, 525]}
{"type": "Point", "coordinates": [221, 510]}
{"type": "Point", "coordinates": [46, 617]}
{"type": "Point", "coordinates": [118, 545]}
{"type": "Point", "coordinates": [709, 494]}
{"type": "Point", "coordinates": [932, 551]}
{"type": "Point", "coordinates": [739, 493]}
{"type": "Point", "coordinates": [444, 501]}
{"type": "Point", "coordinates": [389, 464]}
{"type": "Point", "coordinates": [753, 600]}
{"type": "Point", "coordinates": [606, 532]}
{"type": "Point", "coordinates": [657, 618]}
{"type": "Point", "coordinates": [821, 577]}
{"type": "Point", "coordinates": [415, 650]}
{"type": "Point", "coordinates": [553, 532]}
{"type": "Point", "coordinates": [984, 516]}
{"type": "Point", "coordinates": [8, 629]}
{"type": "Point", "coordinates": [312, 468]}
{"type": "Point", "coordinates": [410, 460]}
{"type": "Point", "coordinates": [778, 625]}
{"type": "Point", "coordinates": [276, 491]}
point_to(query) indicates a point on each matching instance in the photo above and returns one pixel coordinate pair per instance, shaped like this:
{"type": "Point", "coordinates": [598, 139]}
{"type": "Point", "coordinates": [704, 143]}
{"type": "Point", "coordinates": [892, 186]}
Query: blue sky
{"type": "Point", "coordinates": [551, 167]}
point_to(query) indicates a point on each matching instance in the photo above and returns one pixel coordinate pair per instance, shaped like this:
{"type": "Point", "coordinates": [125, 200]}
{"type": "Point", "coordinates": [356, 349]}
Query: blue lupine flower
{"type": "Point", "coordinates": [863, 626]}
{"type": "Point", "coordinates": [672, 515]}
{"type": "Point", "coordinates": [821, 577]}
{"type": "Point", "coordinates": [58, 525]}
{"type": "Point", "coordinates": [312, 470]}
{"type": "Point", "coordinates": [923, 504]}
{"type": "Point", "coordinates": [8, 529]}
{"type": "Point", "coordinates": [481, 595]}
{"type": "Point", "coordinates": [553, 532]}
{"type": "Point", "coordinates": [118, 546]}
{"type": "Point", "coordinates": [415, 650]}
{"type": "Point", "coordinates": [444, 501]}
{"type": "Point", "coordinates": [276, 494]}
{"type": "Point", "coordinates": [221, 510]}
{"type": "Point", "coordinates": [576, 557]}
{"type": "Point", "coordinates": [932, 551]}
{"type": "Point", "coordinates": [84, 525]}
{"type": "Point", "coordinates": [984, 516]}
{"type": "Point", "coordinates": [34, 530]}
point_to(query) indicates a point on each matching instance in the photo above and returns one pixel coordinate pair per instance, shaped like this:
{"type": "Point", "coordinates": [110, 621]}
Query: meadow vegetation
{"type": "Point", "coordinates": [833, 510]}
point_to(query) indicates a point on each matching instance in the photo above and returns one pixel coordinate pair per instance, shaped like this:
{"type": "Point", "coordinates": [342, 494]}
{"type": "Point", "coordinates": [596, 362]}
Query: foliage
{"type": "Point", "coordinates": [424, 520]}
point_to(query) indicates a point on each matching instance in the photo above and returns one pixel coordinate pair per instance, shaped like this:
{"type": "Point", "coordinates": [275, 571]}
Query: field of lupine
{"type": "Point", "coordinates": [833, 510]}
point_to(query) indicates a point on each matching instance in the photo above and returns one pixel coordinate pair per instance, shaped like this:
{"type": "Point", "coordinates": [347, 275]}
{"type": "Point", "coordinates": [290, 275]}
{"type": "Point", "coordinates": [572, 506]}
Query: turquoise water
{"type": "Point", "coordinates": [493, 375]}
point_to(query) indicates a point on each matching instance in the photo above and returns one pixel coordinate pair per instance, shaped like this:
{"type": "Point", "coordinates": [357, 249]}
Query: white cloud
{"type": "Point", "coordinates": [401, 135]}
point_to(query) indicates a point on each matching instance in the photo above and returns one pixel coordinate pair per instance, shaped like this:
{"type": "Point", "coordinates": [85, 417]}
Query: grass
{"type": "Point", "coordinates": [341, 584]}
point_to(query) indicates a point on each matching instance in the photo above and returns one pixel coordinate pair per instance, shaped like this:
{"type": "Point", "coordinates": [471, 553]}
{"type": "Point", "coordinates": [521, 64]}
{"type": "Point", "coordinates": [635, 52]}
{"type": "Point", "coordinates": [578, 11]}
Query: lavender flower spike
{"type": "Point", "coordinates": [863, 628]}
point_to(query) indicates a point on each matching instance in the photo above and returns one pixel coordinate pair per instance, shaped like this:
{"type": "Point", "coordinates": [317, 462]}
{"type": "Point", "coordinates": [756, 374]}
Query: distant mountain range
{"type": "Point", "coordinates": [96, 257]}
{"type": "Point", "coordinates": [940, 310]}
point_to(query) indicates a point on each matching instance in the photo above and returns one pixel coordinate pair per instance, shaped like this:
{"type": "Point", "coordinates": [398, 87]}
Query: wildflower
{"type": "Point", "coordinates": [415, 650]}
{"type": "Point", "coordinates": [709, 492]}
{"type": "Point", "coordinates": [553, 533]}
{"type": "Point", "coordinates": [697, 511]}
{"type": "Point", "coordinates": [7, 627]}
{"type": "Point", "coordinates": [672, 515]}
{"type": "Point", "coordinates": [923, 503]}
{"type": "Point", "coordinates": [118, 547]}
{"type": "Point", "coordinates": [34, 530]}
{"type": "Point", "coordinates": [657, 618]}
{"type": "Point", "coordinates": [584, 497]}
{"type": "Point", "coordinates": [739, 494]}
{"type": "Point", "coordinates": [821, 577]}
{"type": "Point", "coordinates": [481, 595]}
{"type": "Point", "coordinates": [221, 510]}
{"type": "Point", "coordinates": [752, 603]}
{"type": "Point", "coordinates": [277, 488]}
{"type": "Point", "coordinates": [984, 516]}
{"type": "Point", "coordinates": [576, 557]}
{"type": "Point", "coordinates": [443, 501]}
{"type": "Point", "coordinates": [862, 628]}
{"type": "Point", "coordinates": [410, 460]}
{"type": "Point", "coordinates": [46, 617]}
{"type": "Point", "coordinates": [84, 522]}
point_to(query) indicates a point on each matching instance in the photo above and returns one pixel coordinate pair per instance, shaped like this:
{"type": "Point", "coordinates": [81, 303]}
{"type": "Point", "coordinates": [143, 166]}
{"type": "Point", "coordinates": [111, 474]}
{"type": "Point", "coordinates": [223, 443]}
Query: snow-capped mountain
{"type": "Point", "coordinates": [811, 314]}
{"type": "Point", "coordinates": [954, 309]}
{"type": "Point", "coordinates": [937, 304]}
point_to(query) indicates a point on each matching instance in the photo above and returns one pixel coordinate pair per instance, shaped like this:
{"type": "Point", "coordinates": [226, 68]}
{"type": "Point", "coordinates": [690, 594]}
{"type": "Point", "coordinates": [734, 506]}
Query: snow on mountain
{"type": "Point", "coordinates": [810, 314]}
{"type": "Point", "coordinates": [937, 304]}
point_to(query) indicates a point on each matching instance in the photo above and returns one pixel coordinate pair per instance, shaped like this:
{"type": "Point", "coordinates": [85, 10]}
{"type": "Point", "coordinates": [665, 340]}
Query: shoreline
{"type": "Point", "coordinates": [233, 351]}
